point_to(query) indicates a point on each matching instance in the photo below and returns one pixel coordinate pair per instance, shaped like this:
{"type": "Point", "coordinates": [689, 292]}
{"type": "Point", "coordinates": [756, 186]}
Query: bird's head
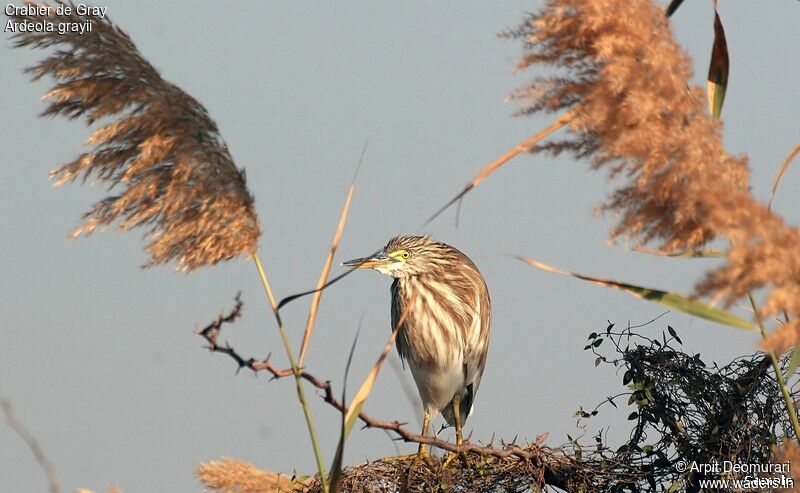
{"type": "Point", "coordinates": [406, 256]}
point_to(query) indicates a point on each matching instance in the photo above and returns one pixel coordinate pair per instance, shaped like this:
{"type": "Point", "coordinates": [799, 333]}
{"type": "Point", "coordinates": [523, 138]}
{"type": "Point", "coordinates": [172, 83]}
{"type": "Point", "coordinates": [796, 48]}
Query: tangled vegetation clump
{"type": "Point", "coordinates": [689, 411]}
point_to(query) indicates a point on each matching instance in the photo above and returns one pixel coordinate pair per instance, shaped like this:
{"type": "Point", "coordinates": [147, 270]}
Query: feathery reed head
{"type": "Point", "coordinates": [628, 84]}
{"type": "Point", "coordinates": [635, 114]}
{"type": "Point", "coordinates": [228, 475]}
{"type": "Point", "coordinates": [162, 149]}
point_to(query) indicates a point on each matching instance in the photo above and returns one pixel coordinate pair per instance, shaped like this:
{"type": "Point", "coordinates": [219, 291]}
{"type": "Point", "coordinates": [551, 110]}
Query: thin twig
{"type": "Point", "coordinates": [699, 253]}
{"type": "Point", "coordinates": [648, 322]}
{"type": "Point", "coordinates": [490, 168]}
{"type": "Point", "coordinates": [32, 444]}
{"type": "Point", "coordinates": [784, 166]}
{"type": "Point", "coordinates": [326, 269]}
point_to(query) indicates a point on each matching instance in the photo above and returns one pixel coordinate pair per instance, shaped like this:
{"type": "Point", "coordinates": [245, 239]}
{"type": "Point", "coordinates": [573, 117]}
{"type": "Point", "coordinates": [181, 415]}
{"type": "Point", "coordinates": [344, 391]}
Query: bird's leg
{"type": "Point", "coordinates": [422, 453]}
{"type": "Point", "coordinates": [457, 418]}
{"type": "Point", "coordinates": [456, 403]}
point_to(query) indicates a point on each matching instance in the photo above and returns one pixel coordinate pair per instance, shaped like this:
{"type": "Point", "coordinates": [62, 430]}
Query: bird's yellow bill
{"type": "Point", "coordinates": [369, 262]}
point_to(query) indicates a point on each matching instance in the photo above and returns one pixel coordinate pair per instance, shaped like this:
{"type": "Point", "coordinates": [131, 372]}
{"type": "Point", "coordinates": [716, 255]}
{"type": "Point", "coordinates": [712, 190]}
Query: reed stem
{"type": "Point", "coordinates": [312, 431]}
{"type": "Point", "coordinates": [787, 398]}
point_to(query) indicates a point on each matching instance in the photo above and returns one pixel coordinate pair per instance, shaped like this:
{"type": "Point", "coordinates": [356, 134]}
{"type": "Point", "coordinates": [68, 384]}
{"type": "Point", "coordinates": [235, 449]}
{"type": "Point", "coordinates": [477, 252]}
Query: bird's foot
{"type": "Point", "coordinates": [459, 440]}
{"type": "Point", "coordinates": [421, 456]}
{"type": "Point", "coordinates": [452, 456]}
{"type": "Point", "coordinates": [424, 456]}
{"type": "Point", "coordinates": [449, 459]}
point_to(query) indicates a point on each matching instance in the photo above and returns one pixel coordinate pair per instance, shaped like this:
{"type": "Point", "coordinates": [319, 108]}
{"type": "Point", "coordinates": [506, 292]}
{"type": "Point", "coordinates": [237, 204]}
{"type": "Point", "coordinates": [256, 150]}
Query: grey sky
{"type": "Point", "coordinates": [100, 358]}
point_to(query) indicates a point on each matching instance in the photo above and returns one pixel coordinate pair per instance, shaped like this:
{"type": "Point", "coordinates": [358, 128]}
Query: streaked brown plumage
{"type": "Point", "coordinates": [445, 334]}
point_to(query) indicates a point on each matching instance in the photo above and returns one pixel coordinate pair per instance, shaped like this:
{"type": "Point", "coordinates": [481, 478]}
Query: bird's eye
{"type": "Point", "coordinates": [405, 255]}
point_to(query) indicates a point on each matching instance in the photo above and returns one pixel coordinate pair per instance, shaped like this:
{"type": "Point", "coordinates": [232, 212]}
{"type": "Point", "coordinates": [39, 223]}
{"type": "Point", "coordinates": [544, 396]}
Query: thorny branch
{"type": "Point", "coordinates": [211, 333]}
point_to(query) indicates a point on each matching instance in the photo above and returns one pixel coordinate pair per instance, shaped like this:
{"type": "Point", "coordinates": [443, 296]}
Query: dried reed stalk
{"type": "Point", "coordinates": [636, 116]}
{"type": "Point", "coordinates": [326, 268]}
{"type": "Point", "coordinates": [33, 445]}
{"type": "Point", "coordinates": [158, 146]}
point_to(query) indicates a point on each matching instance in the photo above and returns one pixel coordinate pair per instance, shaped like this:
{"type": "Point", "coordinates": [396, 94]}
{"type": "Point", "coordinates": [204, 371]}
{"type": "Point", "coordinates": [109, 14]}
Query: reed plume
{"type": "Point", "coordinates": [638, 118]}
{"type": "Point", "coordinates": [789, 452]}
{"type": "Point", "coordinates": [158, 147]}
{"type": "Point", "coordinates": [231, 475]}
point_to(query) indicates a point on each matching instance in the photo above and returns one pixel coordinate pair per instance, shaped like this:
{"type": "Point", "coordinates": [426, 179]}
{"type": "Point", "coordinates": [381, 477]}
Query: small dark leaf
{"type": "Point", "coordinates": [608, 329]}
{"type": "Point", "coordinates": [633, 416]}
{"type": "Point", "coordinates": [593, 335]}
{"type": "Point", "coordinates": [662, 461]}
{"type": "Point", "coordinates": [718, 69]}
{"type": "Point", "coordinates": [597, 342]}
{"type": "Point", "coordinates": [671, 331]}
{"type": "Point", "coordinates": [627, 377]}
{"type": "Point", "coordinates": [597, 361]}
